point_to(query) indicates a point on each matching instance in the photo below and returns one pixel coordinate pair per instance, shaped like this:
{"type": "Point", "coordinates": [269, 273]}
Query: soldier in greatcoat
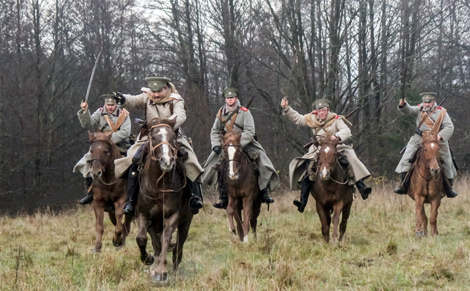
{"type": "Point", "coordinates": [268, 178]}
{"type": "Point", "coordinates": [323, 122]}
{"type": "Point", "coordinates": [107, 118]}
{"type": "Point", "coordinates": [426, 114]}
{"type": "Point", "coordinates": [159, 100]}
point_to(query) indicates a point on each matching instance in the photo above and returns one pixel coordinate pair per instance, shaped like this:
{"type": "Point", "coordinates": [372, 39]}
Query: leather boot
{"type": "Point", "coordinates": [195, 201]}
{"type": "Point", "coordinates": [363, 189]}
{"type": "Point", "coordinates": [450, 193]}
{"type": "Point", "coordinates": [89, 197]}
{"type": "Point", "coordinates": [304, 193]}
{"type": "Point", "coordinates": [132, 190]}
{"type": "Point", "coordinates": [401, 189]}
{"type": "Point", "coordinates": [265, 196]}
{"type": "Point", "coordinates": [222, 204]}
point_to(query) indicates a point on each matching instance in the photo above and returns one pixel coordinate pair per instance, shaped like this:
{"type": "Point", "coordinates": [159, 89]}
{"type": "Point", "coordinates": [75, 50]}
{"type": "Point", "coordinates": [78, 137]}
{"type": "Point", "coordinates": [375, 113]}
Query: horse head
{"type": "Point", "coordinates": [232, 153]}
{"type": "Point", "coordinates": [102, 151]}
{"type": "Point", "coordinates": [430, 153]}
{"type": "Point", "coordinates": [162, 142]}
{"type": "Point", "coordinates": [327, 156]}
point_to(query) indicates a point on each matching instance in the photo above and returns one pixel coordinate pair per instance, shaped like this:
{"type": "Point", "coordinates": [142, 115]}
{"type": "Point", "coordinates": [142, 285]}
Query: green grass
{"type": "Point", "coordinates": [379, 251]}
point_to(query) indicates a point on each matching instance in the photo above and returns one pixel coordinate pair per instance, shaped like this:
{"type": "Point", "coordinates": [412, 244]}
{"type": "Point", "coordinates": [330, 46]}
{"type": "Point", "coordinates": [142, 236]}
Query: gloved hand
{"type": "Point", "coordinates": [120, 99]}
{"type": "Point", "coordinates": [217, 149]}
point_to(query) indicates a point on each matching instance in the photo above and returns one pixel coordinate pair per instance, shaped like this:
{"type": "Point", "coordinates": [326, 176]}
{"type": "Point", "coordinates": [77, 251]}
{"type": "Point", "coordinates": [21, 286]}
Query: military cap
{"type": "Point", "coordinates": [109, 99]}
{"type": "Point", "coordinates": [230, 92]}
{"type": "Point", "coordinates": [157, 83]}
{"type": "Point", "coordinates": [428, 96]}
{"type": "Point", "coordinates": [321, 103]}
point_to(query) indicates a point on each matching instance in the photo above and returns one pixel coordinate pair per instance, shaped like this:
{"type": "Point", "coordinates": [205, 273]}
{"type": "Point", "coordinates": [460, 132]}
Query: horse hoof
{"type": "Point", "coordinates": [148, 261]}
{"type": "Point", "coordinates": [95, 251]}
{"type": "Point", "coordinates": [420, 234]}
{"type": "Point", "coordinates": [160, 278]}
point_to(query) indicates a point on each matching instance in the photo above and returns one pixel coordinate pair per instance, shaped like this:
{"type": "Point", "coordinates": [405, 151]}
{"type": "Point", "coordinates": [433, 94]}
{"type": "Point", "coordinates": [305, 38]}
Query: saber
{"type": "Point", "coordinates": [92, 75]}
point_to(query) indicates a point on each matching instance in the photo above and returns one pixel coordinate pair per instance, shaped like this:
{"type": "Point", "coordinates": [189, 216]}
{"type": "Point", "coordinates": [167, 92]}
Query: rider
{"type": "Point", "coordinates": [243, 123]}
{"type": "Point", "coordinates": [160, 100]}
{"type": "Point", "coordinates": [426, 114]}
{"type": "Point", "coordinates": [107, 118]}
{"type": "Point", "coordinates": [323, 122]}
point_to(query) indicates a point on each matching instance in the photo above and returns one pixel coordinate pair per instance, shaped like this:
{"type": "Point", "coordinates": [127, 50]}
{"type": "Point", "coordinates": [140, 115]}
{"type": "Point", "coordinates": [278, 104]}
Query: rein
{"type": "Point", "coordinates": [104, 169]}
{"type": "Point", "coordinates": [153, 148]}
{"type": "Point", "coordinates": [426, 163]}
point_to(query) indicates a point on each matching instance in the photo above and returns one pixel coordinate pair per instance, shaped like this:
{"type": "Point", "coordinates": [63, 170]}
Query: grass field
{"type": "Point", "coordinates": [379, 251]}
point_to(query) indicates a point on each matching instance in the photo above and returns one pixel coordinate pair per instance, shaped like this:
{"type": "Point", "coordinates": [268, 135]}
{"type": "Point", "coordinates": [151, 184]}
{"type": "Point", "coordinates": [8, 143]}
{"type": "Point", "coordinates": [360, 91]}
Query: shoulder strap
{"type": "Point", "coordinates": [437, 124]}
{"type": "Point", "coordinates": [115, 126]}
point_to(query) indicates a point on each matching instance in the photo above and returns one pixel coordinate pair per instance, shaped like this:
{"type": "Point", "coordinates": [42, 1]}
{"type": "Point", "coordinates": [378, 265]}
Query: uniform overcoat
{"type": "Point", "coordinates": [97, 122]}
{"type": "Point", "coordinates": [160, 110]}
{"type": "Point", "coordinates": [297, 167]}
{"type": "Point", "coordinates": [445, 132]}
{"type": "Point", "coordinates": [244, 124]}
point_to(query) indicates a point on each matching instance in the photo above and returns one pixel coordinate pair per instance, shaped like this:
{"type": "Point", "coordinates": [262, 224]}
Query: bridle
{"type": "Point", "coordinates": [101, 162]}
{"type": "Point", "coordinates": [331, 164]}
{"type": "Point", "coordinates": [427, 161]}
{"type": "Point", "coordinates": [153, 148]}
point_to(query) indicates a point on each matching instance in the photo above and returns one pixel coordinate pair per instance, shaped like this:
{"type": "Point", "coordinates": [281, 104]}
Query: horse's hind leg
{"type": "Point", "coordinates": [325, 220]}
{"type": "Point", "coordinates": [434, 212]}
{"type": "Point", "coordinates": [254, 216]}
{"type": "Point", "coordinates": [344, 220]}
{"type": "Point", "coordinates": [99, 216]}
{"type": "Point", "coordinates": [247, 214]}
{"type": "Point", "coordinates": [337, 209]}
{"type": "Point", "coordinates": [141, 240]}
{"type": "Point", "coordinates": [119, 232]}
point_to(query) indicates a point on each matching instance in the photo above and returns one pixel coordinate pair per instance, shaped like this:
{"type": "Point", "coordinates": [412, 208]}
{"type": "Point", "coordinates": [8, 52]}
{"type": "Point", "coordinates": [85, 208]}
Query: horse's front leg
{"type": "Point", "coordinates": [247, 214]}
{"type": "Point", "coordinates": [182, 235]}
{"type": "Point", "coordinates": [344, 220]}
{"type": "Point", "coordinates": [337, 209]}
{"type": "Point", "coordinates": [421, 218]}
{"type": "Point", "coordinates": [231, 210]}
{"type": "Point", "coordinates": [120, 233]}
{"type": "Point", "coordinates": [325, 220]}
{"type": "Point", "coordinates": [159, 272]}
{"type": "Point", "coordinates": [98, 207]}
{"type": "Point", "coordinates": [142, 238]}
{"type": "Point", "coordinates": [434, 212]}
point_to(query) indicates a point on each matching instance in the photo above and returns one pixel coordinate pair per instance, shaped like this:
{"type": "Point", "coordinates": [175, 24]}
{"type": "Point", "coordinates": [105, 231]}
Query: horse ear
{"type": "Point", "coordinates": [91, 135]}
{"type": "Point", "coordinates": [108, 135]}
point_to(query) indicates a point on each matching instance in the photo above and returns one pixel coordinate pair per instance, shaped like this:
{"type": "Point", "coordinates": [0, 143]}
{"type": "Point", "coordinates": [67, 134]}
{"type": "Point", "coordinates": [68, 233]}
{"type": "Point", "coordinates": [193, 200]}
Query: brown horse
{"type": "Point", "coordinates": [426, 184]}
{"type": "Point", "coordinates": [108, 192]}
{"type": "Point", "coordinates": [162, 206]}
{"type": "Point", "coordinates": [331, 191]}
{"type": "Point", "coordinates": [242, 187]}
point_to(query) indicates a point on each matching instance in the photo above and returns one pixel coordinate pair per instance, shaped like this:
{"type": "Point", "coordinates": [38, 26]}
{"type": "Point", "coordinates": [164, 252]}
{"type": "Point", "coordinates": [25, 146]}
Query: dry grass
{"type": "Point", "coordinates": [379, 252]}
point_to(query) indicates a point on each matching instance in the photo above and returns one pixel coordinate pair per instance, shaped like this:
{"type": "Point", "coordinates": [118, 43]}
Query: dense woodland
{"type": "Point", "coordinates": [363, 54]}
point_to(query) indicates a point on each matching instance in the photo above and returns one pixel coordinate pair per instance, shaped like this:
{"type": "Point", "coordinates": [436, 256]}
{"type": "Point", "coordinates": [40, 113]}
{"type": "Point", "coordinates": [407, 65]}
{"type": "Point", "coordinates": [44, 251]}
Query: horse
{"type": "Point", "coordinates": [108, 192]}
{"type": "Point", "coordinates": [426, 183]}
{"type": "Point", "coordinates": [331, 190]}
{"type": "Point", "coordinates": [162, 206]}
{"type": "Point", "coordinates": [242, 187]}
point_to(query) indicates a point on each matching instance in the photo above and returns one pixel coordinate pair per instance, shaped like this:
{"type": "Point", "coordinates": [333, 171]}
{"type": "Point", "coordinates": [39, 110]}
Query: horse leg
{"type": "Point", "coordinates": [231, 207]}
{"type": "Point", "coordinates": [238, 219]}
{"type": "Point", "coordinates": [119, 232]}
{"type": "Point", "coordinates": [325, 220]}
{"type": "Point", "coordinates": [141, 240]}
{"type": "Point", "coordinates": [98, 207]}
{"type": "Point", "coordinates": [183, 230]}
{"type": "Point", "coordinates": [344, 220]}
{"type": "Point", "coordinates": [434, 212]}
{"type": "Point", "coordinates": [337, 209]}
{"type": "Point", "coordinates": [420, 215]}
{"type": "Point", "coordinates": [247, 214]}
{"type": "Point", "coordinates": [158, 271]}
{"type": "Point", "coordinates": [254, 216]}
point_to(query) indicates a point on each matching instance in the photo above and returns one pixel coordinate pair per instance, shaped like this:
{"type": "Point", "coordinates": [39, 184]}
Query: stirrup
{"type": "Point", "coordinates": [129, 209]}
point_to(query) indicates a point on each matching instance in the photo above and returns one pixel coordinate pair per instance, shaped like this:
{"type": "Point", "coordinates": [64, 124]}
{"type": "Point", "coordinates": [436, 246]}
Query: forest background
{"type": "Point", "coordinates": [364, 55]}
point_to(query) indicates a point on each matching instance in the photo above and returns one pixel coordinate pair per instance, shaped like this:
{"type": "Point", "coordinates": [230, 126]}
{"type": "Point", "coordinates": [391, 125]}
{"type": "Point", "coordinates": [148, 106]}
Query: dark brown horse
{"type": "Point", "coordinates": [426, 185]}
{"type": "Point", "coordinates": [108, 192]}
{"type": "Point", "coordinates": [162, 206]}
{"type": "Point", "coordinates": [242, 187]}
{"type": "Point", "coordinates": [331, 191]}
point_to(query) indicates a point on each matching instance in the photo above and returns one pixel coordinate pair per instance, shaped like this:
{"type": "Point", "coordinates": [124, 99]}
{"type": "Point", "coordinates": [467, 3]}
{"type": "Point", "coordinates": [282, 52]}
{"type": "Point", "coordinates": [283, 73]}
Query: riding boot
{"type": "Point", "coordinates": [401, 188]}
{"type": "Point", "coordinates": [222, 204]}
{"type": "Point", "coordinates": [132, 190]}
{"type": "Point", "coordinates": [450, 193]}
{"type": "Point", "coordinates": [304, 193]}
{"type": "Point", "coordinates": [195, 201]}
{"type": "Point", "coordinates": [265, 196]}
{"type": "Point", "coordinates": [363, 189]}
{"type": "Point", "coordinates": [89, 197]}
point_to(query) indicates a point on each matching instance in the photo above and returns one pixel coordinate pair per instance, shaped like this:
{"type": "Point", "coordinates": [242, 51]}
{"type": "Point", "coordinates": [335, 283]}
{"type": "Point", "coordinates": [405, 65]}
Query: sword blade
{"type": "Point", "coordinates": [91, 78]}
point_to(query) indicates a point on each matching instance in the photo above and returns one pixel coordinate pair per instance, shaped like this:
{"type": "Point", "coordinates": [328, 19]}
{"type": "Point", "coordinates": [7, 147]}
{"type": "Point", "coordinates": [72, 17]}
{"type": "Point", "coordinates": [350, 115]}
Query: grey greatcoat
{"type": "Point", "coordinates": [97, 122]}
{"type": "Point", "coordinates": [244, 124]}
{"type": "Point", "coordinates": [160, 110]}
{"type": "Point", "coordinates": [445, 132]}
{"type": "Point", "coordinates": [339, 128]}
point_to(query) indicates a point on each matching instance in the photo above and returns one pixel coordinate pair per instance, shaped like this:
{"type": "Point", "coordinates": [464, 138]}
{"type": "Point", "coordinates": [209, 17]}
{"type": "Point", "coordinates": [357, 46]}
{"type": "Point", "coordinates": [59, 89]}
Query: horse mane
{"type": "Point", "coordinates": [429, 137]}
{"type": "Point", "coordinates": [105, 137]}
{"type": "Point", "coordinates": [232, 137]}
{"type": "Point", "coordinates": [169, 121]}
